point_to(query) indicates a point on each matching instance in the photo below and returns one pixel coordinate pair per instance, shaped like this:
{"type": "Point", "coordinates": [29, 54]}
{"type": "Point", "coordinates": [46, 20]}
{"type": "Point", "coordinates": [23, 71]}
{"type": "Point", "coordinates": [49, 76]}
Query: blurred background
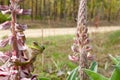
{"type": "Point", "coordinates": [63, 13]}
{"type": "Point", "coordinates": [53, 23]}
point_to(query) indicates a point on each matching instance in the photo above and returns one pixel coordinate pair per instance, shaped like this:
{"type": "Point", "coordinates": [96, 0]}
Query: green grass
{"type": "Point", "coordinates": [55, 56]}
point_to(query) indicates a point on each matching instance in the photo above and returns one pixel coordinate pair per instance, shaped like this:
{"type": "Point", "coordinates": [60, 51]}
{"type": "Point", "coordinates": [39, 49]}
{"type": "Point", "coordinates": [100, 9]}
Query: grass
{"type": "Point", "coordinates": [48, 23]}
{"type": "Point", "coordinates": [54, 60]}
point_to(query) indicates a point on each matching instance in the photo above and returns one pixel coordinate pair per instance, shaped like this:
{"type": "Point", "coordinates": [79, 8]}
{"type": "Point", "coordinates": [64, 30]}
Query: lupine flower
{"type": "Point", "coordinates": [81, 44]}
{"type": "Point", "coordinates": [18, 59]}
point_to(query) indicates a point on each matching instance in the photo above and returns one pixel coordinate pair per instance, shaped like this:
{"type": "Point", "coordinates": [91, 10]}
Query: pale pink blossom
{"type": "Point", "coordinates": [21, 46]}
{"type": "Point", "coordinates": [4, 7]}
{"type": "Point", "coordinates": [75, 49]}
{"type": "Point", "coordinates": [6, 11]}
{"type": "Point", "coordinates": [90, 56]}
{"type": "Point", "coordinates": [4, 57]}
{"type": "Point", "coordinates": [73, 58]}
{"type": "Point", "coordinates": [27, 12]}
{"type": "Point", "coordinates": [5, 25]}
{"type": "Point", "coordinates": [4, 42]}
{"type": "Point", "coordinates": [20, 27]}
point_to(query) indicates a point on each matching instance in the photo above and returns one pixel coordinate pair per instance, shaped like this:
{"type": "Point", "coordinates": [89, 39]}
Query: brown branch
{"type": "Point", "coordinates": [14, 46]}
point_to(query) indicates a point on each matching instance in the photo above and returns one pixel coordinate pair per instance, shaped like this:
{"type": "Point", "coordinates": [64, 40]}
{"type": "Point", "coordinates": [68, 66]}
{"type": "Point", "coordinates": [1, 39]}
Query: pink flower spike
{"type": "Point", "coordinates": [5, 25]}
{"type": "Point", "coordinates": [73, 58]}
{"type": "Point", "coordinates": [4, 7]}
{"type": "Point", "coordinates": [4, 42]}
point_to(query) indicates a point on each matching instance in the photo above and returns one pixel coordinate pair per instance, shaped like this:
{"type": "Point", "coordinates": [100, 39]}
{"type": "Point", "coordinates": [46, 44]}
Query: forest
{"type": "Point", "coordinates": [108, 10]}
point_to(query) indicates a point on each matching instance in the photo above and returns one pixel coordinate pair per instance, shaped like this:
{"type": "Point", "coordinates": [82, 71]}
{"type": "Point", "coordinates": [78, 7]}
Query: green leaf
{"type": "Point", "coordinates": [44, 79]}
{"type": "Point", "coordinates": [94, 76]}
{"type": "Point", "coordinates": [114, 59]}
{"type": "Point", "coordinates": [73, 75]}
{"type": "Point", "coordinates": [116, 73]}
{"type": "Point", "coordinates": [106, 66]}
{"type": "Point", "coordinates": [94, 66]}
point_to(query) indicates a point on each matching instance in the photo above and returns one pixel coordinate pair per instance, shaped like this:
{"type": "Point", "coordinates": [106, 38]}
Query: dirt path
{"type": "Point", "coordinates": [58, 31]}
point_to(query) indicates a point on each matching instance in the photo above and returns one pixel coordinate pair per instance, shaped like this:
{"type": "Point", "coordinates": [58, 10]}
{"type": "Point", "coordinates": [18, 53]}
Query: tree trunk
{"type": "Point", "coordinates": [36, 9]}
{"type": "Point", "coordinates": [32, 11]}
{"type": "Point", "coordinates": [55, 9]}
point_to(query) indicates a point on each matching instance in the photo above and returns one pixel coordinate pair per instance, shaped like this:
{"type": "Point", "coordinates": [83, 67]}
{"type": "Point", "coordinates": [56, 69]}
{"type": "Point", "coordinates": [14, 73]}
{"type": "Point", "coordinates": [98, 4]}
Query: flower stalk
{"type": "Point", "coordinates": [81, 46]}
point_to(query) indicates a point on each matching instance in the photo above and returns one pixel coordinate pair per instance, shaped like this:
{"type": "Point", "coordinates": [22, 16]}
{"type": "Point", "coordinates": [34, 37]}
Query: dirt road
{"type": "Point", "coordinates": [58, 31]}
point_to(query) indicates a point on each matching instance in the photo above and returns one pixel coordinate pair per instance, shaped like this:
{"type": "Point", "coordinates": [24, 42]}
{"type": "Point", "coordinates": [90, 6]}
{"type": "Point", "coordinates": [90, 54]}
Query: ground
{"type": "Point", "coordinates": [58, 47]}
{"type": "Point", "coordinates": [34, 33]}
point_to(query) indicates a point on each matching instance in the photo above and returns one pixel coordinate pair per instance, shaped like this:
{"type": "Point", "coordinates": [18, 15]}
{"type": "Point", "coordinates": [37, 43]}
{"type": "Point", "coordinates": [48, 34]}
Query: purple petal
{"type": "Point", "coordinates": [4, 42]}
{"type": "Point", "coordinates": [90, 56]}
{"type": "Point", "coordinates": [21, 45]}
{"type": "Point", "coordinates": [20, 27]}
{"type": "Point", "coordinates": [4, 73]}
{"type": "Point", "coordinates": [73, 58]}
{"type": "Point", "coordinates": [11, 39]}
{"type": "Point", "coordinates": [88, 48]}
{"type": "Point", "coordinates": [4, 78]}
{"type": "Point", "coordinates": [20, 34]}
{"type": "Point", "coordinates": [18, 1]}
{"type": "Point", "coordinates": [13, 72]}
{"type": "Point", "coordinates": [27, 12]}
{"type": "Point", "coordinates": [4, 57]}
{"type": "Point", "coordinates": [5, 25]}
{"type": "Point", "coordinates": [4, 7]}
{"type": "Point", "coordinates": [25, 79]}
{"type": "Point", "coordinates": [19, 11]}
{"type": "Point", "coordinates": [75, 49]}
